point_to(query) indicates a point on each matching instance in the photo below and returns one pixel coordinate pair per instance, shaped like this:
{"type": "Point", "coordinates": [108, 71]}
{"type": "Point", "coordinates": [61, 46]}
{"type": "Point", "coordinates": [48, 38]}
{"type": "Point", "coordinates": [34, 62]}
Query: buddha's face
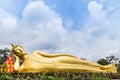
{"type": "Point", "coordinates": [18, 50]}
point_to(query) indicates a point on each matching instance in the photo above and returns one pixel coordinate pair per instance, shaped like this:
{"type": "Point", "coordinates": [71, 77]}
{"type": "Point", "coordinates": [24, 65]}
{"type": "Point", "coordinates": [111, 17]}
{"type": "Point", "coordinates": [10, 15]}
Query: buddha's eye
{"type": "Point", "coordinates": [18, 50]}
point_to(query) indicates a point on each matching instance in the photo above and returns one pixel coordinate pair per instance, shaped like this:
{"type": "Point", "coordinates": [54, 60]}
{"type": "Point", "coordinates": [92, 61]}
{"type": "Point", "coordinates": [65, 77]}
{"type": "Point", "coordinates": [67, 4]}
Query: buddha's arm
{"type": "Point", "coordinates": [51, 55]}
{"type": "Point", "coordinates": [17, 63]}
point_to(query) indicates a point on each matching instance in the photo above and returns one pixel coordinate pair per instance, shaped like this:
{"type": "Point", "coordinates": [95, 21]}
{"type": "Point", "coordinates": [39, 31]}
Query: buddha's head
{"type": "Point", "coordinates": [18, 50]}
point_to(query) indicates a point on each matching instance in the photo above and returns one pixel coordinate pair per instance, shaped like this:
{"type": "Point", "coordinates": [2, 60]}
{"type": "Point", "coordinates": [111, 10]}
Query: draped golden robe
{"type": "Point", "coordinates": [39, 61]}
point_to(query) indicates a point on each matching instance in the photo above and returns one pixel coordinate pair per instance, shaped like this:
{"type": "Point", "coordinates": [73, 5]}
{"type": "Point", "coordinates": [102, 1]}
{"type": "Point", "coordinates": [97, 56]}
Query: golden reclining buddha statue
{"type": "Point", "coordinates": [39, 61]}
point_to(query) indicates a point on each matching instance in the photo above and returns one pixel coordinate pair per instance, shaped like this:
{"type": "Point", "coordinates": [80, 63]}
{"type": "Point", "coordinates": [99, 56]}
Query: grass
{"type": "Point", "coordinates": [58, 76]}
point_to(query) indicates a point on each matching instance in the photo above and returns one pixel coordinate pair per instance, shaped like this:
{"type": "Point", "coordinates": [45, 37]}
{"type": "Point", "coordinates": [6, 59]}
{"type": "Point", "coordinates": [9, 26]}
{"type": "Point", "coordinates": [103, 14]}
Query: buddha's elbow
{"type": "Point", "coordinates": [16, 69]}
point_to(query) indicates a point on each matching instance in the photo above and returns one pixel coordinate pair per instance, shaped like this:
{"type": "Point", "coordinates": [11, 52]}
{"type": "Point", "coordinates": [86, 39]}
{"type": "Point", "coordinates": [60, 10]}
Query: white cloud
{"type": "Point", "coordinates": [96, 10]}
{"type": "Point", "coordinates": [7, 20]}
{"type": "Point", "coordinates": [12, 6]}
{"type": "Point", "coordinates": [102, 33]}
{"type": "Point", "coordinates": [41, 28]}
{"type": "Point", "coordinates": [7, 24]}
{"type": "Point", "coordinates": [69, 23]}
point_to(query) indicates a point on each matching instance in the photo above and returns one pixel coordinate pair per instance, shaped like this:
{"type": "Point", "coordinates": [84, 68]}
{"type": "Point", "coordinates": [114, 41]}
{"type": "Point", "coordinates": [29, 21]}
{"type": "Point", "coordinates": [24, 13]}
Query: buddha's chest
{"type": "Point", "coordinates": [38, 65]}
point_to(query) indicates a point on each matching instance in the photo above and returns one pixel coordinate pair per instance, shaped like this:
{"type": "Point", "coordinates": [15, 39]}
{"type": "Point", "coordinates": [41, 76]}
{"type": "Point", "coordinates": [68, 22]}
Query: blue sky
{"type": "Point", "coordinates": [83, 28]}
{"type": "Point", "coordinates": [71, 10]}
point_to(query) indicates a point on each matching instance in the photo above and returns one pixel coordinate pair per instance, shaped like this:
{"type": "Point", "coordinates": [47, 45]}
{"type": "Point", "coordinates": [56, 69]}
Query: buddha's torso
{"type": "Point", "coordinates": [40, 62]}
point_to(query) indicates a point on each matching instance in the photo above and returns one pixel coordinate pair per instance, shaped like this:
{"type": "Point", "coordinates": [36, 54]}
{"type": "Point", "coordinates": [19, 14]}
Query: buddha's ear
{"type": "Point", "coordinates": [13, 45]}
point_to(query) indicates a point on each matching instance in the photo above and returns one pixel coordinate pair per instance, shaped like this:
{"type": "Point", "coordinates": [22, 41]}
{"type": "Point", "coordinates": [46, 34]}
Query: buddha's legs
{"type": "Point", "coordinates": [72, 63]}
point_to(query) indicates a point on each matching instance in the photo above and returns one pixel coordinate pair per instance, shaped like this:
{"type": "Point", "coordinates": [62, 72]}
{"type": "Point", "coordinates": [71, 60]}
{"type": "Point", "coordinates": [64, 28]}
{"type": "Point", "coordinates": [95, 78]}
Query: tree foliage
{"type": "Point", "coordinates": [103, 61]}
{"type": "Point", "coordinates": [4, 54]}
{"type": "Point", "coordinates": [109, 60]}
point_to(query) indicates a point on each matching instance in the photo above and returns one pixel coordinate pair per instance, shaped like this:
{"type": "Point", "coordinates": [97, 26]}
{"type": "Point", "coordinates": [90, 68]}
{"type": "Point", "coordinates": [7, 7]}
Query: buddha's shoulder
{"type": "Point", "coordinates": [37, 52]}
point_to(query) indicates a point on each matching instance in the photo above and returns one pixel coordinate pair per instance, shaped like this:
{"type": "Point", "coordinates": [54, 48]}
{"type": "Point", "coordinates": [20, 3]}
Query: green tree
{"type": "Point", "coordinates": [4, 54]}
{"type": "Point", "coordinates": [112, 59]}
{"type": "Point", "coordinates": [118, 66]}
{"type": "Point", "coordinates": [108, 60]}
{"type": "Point", "coordinates": [103, 61]}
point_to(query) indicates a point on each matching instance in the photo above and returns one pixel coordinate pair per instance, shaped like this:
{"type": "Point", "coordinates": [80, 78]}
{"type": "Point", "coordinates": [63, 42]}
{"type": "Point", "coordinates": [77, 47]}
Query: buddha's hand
{"type": "Point", "coordinates": [16, 56]}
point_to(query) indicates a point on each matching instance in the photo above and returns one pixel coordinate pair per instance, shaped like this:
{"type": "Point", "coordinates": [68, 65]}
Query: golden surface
{"type": "Point", "coordinates": [39, 61]}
